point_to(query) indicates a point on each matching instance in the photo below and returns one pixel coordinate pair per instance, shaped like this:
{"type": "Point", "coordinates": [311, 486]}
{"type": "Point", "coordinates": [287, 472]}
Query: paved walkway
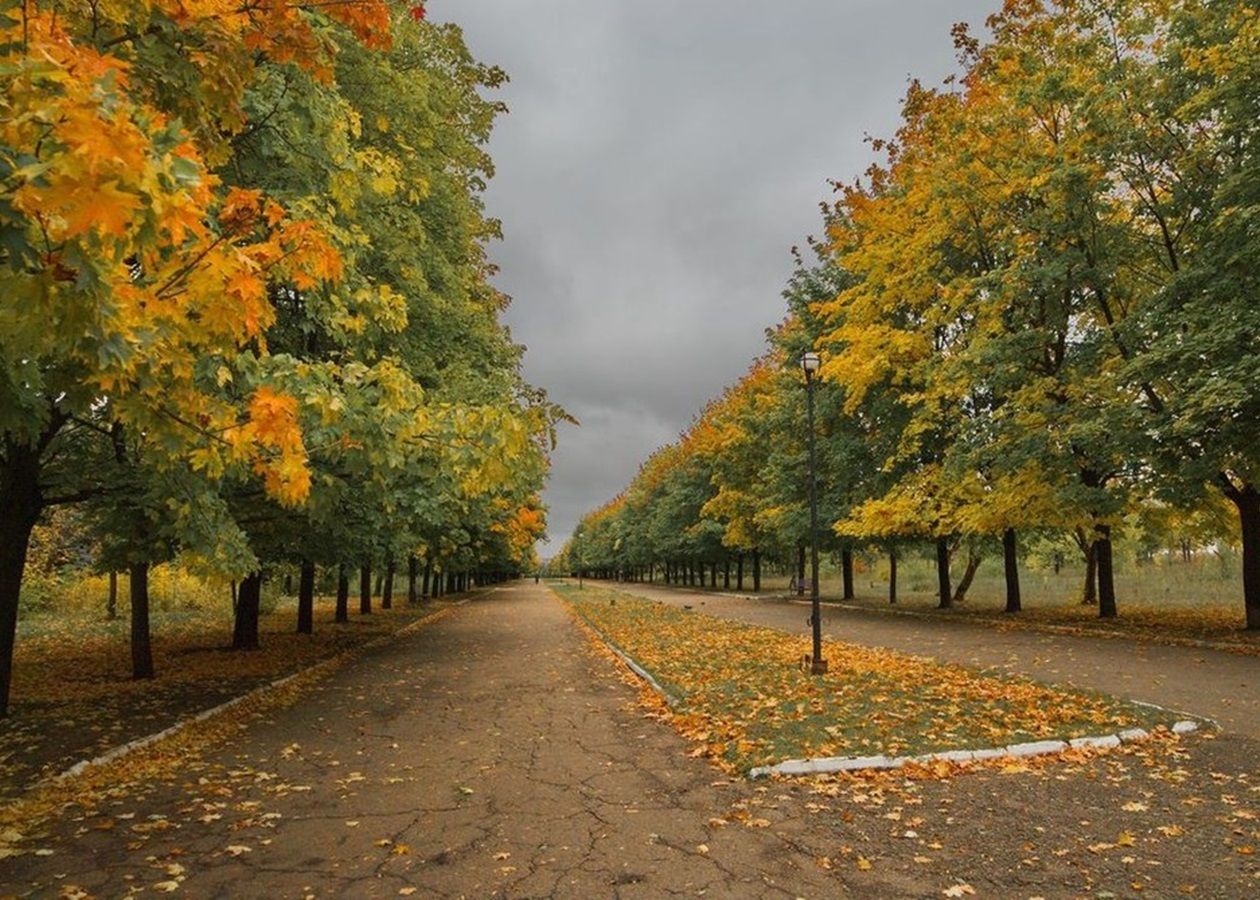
{"type": "Point", "coordinates": [1216, 684]}
{"type": "Point", "coordinates": [491, 754]}
{"type": "Point", "coordinates": [487, 755]}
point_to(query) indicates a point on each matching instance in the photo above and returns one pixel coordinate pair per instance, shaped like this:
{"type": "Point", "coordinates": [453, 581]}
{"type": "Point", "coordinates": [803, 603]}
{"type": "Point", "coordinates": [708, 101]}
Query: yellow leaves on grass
{"type": "Point", "coordinates": [745, 702]}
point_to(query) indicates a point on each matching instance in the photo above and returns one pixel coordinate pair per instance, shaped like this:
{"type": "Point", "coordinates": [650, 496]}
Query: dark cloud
{"type": "Point", "coordinates": [660, 159]}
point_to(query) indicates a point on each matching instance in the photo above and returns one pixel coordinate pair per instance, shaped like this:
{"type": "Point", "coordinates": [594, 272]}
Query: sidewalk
{"type": "Point", "coordinates": [1210, 683]}
{"type": "Point", "coordinates": [490, 754]}
{"type": "Point", "coordinates": [487, 755]}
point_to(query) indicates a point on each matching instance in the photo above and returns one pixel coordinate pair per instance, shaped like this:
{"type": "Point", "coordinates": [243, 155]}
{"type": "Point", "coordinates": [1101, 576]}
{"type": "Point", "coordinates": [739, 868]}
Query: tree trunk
{"type": "Point", "coordinates": [892, 574]}
{"type": "Point", "coordinates": [942, 574]}
{"type": "Point", "coordinates": [343, 594]}
{"type": "Point", "coordinates": [973, 563]}
{"type": "Point", "coordinates": [428, 573]}
{"type": "Point", "coordinates": [111, 604]}
{"type": "Point", "coordinates": [387, 590]}
{"type": "Point", "coordinates": [1106, 577]}
{"type": "Point", "coordinates": [800, 570]}
{"type": "Point", "coordinates": [713, 576]}
{"type": "Point", "coordinates": [1089, 592]}
{"type": "Point", "coordinates": [365, 589]}
{"type": "Point", "coordinates": [846, 565]}
{"type": "Point", "coordinates": [245, 634]}
{"type": "Point", "coordinates": [288, 584]}
{"type": "Point", "coordinates": [1010, 562]}
{"type": "Point", "coordinates": [20, 506]}
{"type": "Point", "coordinates": [739, 572]}
{"type": "Point", "coordinates": [413, 573]}
{"type": "Point", "coordinates": [141, 645]}
{"type": "Point", "coordinates": [1247, 500]}
{"type": "Point", "coordinates": [756, 571]}
{"type": "Point", "coordinates": [726, 574]}
{"type": "Point", "coordinates": [306, 598]}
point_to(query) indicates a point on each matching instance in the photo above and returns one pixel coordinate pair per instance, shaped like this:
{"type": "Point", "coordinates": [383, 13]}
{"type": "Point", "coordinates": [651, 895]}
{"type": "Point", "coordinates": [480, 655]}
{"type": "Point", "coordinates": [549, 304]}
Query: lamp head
{"type": "Point", "coordinates": [811, 362]}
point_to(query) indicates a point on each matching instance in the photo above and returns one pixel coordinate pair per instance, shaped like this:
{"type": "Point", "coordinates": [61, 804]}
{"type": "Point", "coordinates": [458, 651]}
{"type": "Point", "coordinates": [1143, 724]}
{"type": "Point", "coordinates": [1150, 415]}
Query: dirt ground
{"type": "Point", "coordinates": [493, 754]}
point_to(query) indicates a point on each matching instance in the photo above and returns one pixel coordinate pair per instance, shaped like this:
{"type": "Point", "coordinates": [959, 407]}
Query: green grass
{"type": "Point", "coordinates": [742, 692]}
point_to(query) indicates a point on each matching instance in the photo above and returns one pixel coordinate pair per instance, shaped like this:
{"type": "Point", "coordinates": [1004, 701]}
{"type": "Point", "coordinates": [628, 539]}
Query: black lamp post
{"type": "Point", "coordinates": [810, 363]}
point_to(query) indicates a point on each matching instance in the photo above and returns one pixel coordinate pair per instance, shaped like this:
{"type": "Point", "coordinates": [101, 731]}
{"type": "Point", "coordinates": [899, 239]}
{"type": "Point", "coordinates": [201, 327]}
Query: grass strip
{"type": "Point", "coordinates": [742, 693]}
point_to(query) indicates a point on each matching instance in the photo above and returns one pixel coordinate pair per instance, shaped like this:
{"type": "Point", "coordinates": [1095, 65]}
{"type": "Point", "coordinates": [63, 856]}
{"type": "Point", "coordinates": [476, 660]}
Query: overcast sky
{"type": "Point", "coordinates": [660, 159]}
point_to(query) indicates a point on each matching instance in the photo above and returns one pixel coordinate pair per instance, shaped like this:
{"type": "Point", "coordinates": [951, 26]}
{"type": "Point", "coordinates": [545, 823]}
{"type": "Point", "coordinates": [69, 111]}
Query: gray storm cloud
{"type": "Point", "coordinates": [659, 160]}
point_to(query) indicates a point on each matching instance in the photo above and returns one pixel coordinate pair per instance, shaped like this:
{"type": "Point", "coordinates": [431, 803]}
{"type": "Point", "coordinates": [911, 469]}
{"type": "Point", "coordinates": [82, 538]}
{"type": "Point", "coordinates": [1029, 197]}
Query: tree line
{"type": "Point", "coordinates": [1036, 312]}
{"type": "Point", "coordinates": [246, 315]}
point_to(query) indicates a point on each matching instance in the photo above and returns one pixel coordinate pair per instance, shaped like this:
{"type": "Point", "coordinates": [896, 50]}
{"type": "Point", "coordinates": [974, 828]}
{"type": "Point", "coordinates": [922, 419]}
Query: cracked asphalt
{"type": "Point", "coordinates": [489, 754]}
{"type": "Point", "coordinates": [493, 754]}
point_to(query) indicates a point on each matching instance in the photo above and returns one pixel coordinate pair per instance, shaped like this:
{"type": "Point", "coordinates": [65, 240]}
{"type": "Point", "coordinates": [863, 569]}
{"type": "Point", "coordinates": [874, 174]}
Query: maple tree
{"type": "Point", "coordinates": [1032, 310]}
{"type": "Point", "coordinates": [257, 235]}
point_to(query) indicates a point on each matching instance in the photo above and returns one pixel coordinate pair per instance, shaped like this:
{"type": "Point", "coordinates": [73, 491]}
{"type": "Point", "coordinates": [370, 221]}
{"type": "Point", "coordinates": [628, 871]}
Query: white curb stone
{"type": "Point", "coordinates": [1185, 726]}
{"type": "Point", "coordinates": [1100, 741]}
{"type": "Point", "coordinates": [988, 753]}
{"type": "Point", "coordinates": [1036, 748]}
{"type": "Point", "coordinates": [1134, 735]}
{"type": "Point", "coordinates": [958, 756]}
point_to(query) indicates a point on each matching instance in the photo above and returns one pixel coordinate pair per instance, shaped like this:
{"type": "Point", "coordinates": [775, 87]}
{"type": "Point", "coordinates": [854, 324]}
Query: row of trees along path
{"type": "Point", "coordinates": [247, 317]}
{"type": "Point", "coordinates": [1036, 318]}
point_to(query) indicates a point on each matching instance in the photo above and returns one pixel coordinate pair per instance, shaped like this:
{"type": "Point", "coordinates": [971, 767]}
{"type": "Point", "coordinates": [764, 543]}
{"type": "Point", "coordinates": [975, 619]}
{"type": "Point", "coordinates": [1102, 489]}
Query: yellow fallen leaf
{"type": "Point", "coordinates": [863, 863]}
{"type": "Point", "coordinates": [166, 887]}
{"type": "Point", "coordinates": [1134, 806]}
{"type": "Point", "coordinates": [959, 890]}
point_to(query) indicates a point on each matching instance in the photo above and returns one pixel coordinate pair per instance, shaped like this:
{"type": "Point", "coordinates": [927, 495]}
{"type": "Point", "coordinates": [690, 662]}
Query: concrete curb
{"type": "Point", "coordinates": [637, 669]}
{"type": "Point", "coordinates": [262, 690]}
{"type": "Point", "coordinates": [628, 660]}
{"type": "Point", "coordinates": [833, 764]}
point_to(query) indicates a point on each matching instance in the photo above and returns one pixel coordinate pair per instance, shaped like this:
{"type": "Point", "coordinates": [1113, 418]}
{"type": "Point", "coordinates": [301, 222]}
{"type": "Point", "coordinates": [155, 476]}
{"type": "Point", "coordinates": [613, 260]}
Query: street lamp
{"type": "Point", "coordinates": [810, 363]}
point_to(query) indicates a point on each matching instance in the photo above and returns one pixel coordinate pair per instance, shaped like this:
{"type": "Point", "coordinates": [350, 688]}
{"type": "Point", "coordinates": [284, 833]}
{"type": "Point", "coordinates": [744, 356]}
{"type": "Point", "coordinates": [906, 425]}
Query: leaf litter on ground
{"type": "Point", "coordinates": [744, 698]}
